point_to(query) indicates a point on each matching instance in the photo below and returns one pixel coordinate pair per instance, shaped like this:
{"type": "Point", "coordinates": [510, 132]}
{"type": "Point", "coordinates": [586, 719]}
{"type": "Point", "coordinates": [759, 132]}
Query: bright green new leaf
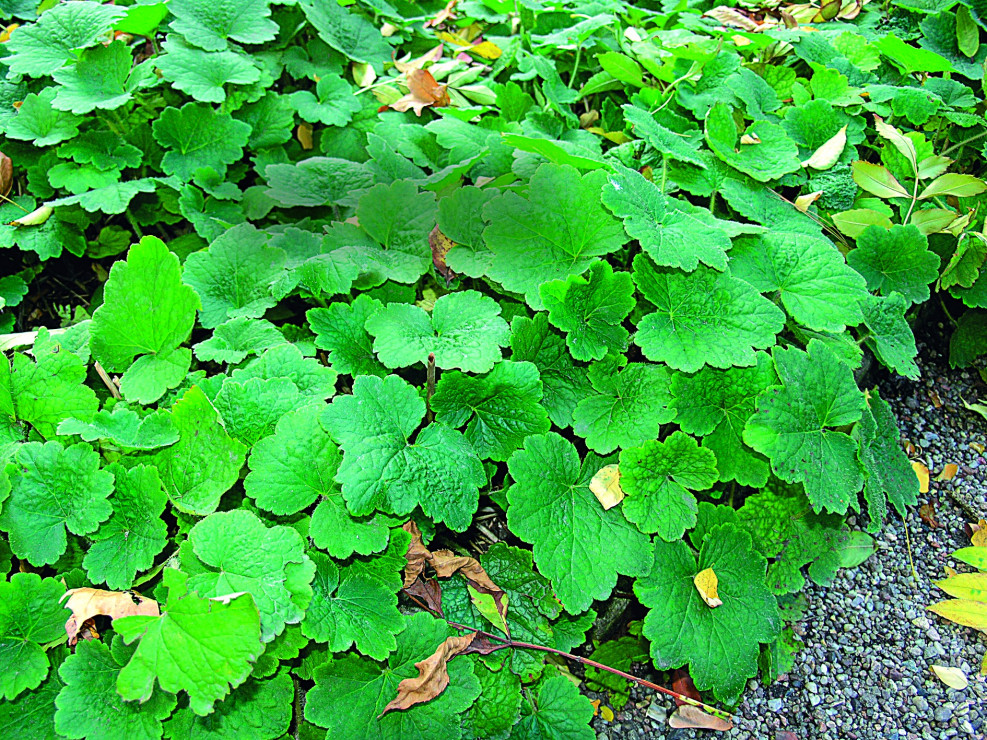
{"type": "Point", "coordinates": [256, 710]}
{"type": "Point", "coordinates": [671, 144]}
{"type": "Point", "coordinates": [702, 318]}
{"type": "Point", "coordinates": [580, 546]}
{"type": "Point", "coordinates": [774, 154]}
{"type": "Point", "coordinates": [911, 59]}
{"type": "Point", "coordinates": [560, 229]}
{"type": "Point", "coordinates": [53, 488]}
{"type": "Point", "coordinates": [464, 331]}
{"type": "Point", "coordinates": [204, 463]}
{"type": "Point", "coordinates": [716, 404]}
{"type": "Point", "coordinates": [658, 478]}
{"type": "Point", "coordinates": [793, 425]}
{"type": "Point", "coordinates": [233, 341]}
{"type": "Point", "coordinates": [340, 330]}
{"type": "Point", "coordinates": [720, 644]}
{"type": "Point", "coordinates": [384, 469]}
{"type": "Point", "coordinates": [40, 123]}
{"type": "Point", "coordinates": [198, 645]}
{"type": "Point", "coordinates": [250, 409]}
{"type": "Point", "coordinates": [104, 78]}
{"type": "Point", "coordinates": [128, 542]}
{"type": "Point", "coordinates": [365, 687]}
{"type": "Point", "coordinates": [963, 267]}
{"type": "Point", "coordinates": [151, 375]}
{"type": "Point", "coordinates": [590, 310]}
{"type": "Point", "coordinates": [30, 616]}
{"type": "Point", "coordinates": [197, 136]}
{"type": "Point", "coordinates": [204, 74]}
{"type": "Point", "coordinates": [461, 219]}
{"type": "Point", "coordinates": [212, 25]}
{"type": "Point", "coordinates": [332, 104]}
{"type": "Point", "coordinates": [891, 337]}
{"type": "Point", "coordinates": [896, 259]}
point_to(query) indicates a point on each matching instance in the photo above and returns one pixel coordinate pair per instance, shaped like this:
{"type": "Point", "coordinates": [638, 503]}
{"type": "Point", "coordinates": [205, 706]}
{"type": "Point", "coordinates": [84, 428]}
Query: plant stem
{"type": "Point", "coordinates": [429, 387]}
{"type": "Point", "coordinates": [575, 66]}
{"type": "Point", "coordinates": [966, 141]}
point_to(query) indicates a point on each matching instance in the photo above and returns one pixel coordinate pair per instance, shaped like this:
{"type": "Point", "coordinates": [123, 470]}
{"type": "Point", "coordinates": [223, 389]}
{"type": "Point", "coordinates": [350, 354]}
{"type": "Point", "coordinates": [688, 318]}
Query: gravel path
{"type": "Point", "coordinates": [864, 673]}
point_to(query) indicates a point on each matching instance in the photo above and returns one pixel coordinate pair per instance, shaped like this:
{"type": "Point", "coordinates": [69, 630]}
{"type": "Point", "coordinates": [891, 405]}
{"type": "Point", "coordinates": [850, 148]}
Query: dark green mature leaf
{"type": "Point", "coordinates": [339, 328]}
{"type": "Point", "coordinates": [256, 710]}
{"type": "Point", "coordinates": [897, 260]}
{"type": "Point", "coordinates": [30, 616]}
{"type": "Point", "coordinates": [197, 136]}
{"type": "Point", "coordinates": [347, 32]}
{"type": "Point", "coordinates": [774, 154]}
{"type": "Point", "coordinates": [890, 335]}
{"type": "Point", "coordinates": [559, 712]}
{"type": "Point", "coordinates": [212, 25]}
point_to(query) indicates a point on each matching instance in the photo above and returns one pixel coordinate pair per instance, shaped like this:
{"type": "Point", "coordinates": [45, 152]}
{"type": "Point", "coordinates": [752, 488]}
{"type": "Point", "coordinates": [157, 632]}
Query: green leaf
{"type": "Point", "coordinates": [211, 25]}
{"type": "Point", "coordinates": [197, 136]}
{"type": "Point", "coordinates": [352, 35]}
{"type": "Point", "coordinates": [702, 318]}
{"type": "Point", "coordinates": [89, 705]}
{"type": "Point", "coordinates": [670, 144]}
{"type": "Point", "coordinates": [250, 409]}
{"type": "Point", "coordinates": [464, 331]}
{"type": "Point", "coordinates": [201, 646]}
{"type": "Point", "coordinates": [104, 78]}
{"type": "Point", "coordinates": [564, 383]}
{"type": "Point", "coordinates": [53, 488]}
{"type": "Point", "coordinates": [383, 469]}
{"type": "Point", "coordinates": [41, 124]}
{"type": "Point", "coordinates": [235, 276]}
{"type": "Point", "coordinates": [590, 310]}
{"type": "Point", "coordinates": [720, 645]}
{"type": "Point", "coordinates": [234, 551]}
{"type": "Point", "coordinates": [559, 712]}
{"type": "Point", "coordinates": [128, 542]}
{"type": "Point", "coordinates": [657, 479]}
{"type": "Point", "coordinates": [890, 335]}
{"type": "Point", "coordinates": [339, 328]}
{"type": "Point", "coordinates": [878, 180]}
{"type": "Point", "coordinates": [500, 409]}
{"type": "Point", "coordinates": [629, 406]}
{"type": "Point", "coordinates": [673, 232]}
{"type": "Point", "coordinates": [39, 706]}
{"type": "Point", "coordinates": [202, 74]}
{"type": "Point", "coordinates": [580, 546]}
{"type": "Point", "coordinates": [621, 653]}
{"type": "Point", "coordinates": [853, 223]}
{"type": "Point", "coordinates": [716, 404]}
{"type": "Point", "coordinates": [286, 361]}
{"type": "Point", "coordinates": [500, 708]}
{"type": "Point", "coordinates": [896, 259]}
{"type": "Point", "coordinates": [151, 375]}
{"type": "Point", "coordinates": [146, 309]}
{"type": "Point", "coordinates": [233, 341]}
{"type": "Point", "coordinates": [352, 608]}
{"type": "Point", "coordinates": [364, 688]}
{"type": "Point", "coordinates": [461, 219]}
{"type": "Point", "coordinates": [38, 49]}
{"type": "Point", "coordinates": [30, 616]}
{"type": "Point", "coordinates": [256, 710]}
{"type": "Point", "coordinates": [774, 156]}
{"type": "Point", "coordinates": [963, 267]}
{"type": "Point", "coordinates": [271, 119]}
{"type": "Point", "coordinates": [332, 104]}
{"type": "Point", "coordinates": [112, 199]}
{"type": "Point", "coordinates": [318, 181]}
{"type": "Point", "coordinates": [911, 59]}
{"type": "Point", "coordinates": [560, 229]}
{"type": "Point", "coordinates": [204, 463]}
{"type": "Point", "coordinates": [969, 339]}
{"type": "Point", "coordinates": [790, 425]}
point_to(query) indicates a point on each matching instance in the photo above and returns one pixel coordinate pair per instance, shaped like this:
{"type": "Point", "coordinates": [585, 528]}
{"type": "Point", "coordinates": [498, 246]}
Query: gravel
{"type": "Point", "coordinates": [864, 671]}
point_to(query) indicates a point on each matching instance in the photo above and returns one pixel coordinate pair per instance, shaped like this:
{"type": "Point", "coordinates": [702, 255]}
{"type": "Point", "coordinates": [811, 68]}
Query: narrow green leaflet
{"type": "Point", "coordinates": [89, 704]}
{"type": "Point", "coordinates": [580, 546]}
{"type": "Point", "coordinates": [364, 687]}
{"type": "Point", "coordinates": [896, 259]}
{"type": "Point", "coordinates": [197, 136]}
{"type": "Point", "coordinates": [146, 310]}
{"type": "Point", "coordinates": [559, 712]}
{"type": "Point", "coordinates": [702, 318]}
{"type": "Point", "coordinates": [352, 608]}
{"type": "Point", "coordinates": [104, 78]}
{"type": "Point", "coordinates": [889, 476]}
{"type": "Point", "coordinates": [816, 286]}
{"type": "Point", "coordinates": [891, 337]}
{"type": "Point", "coordinates": [673, 232]}
{"type": "Point", "coordinates": [212, 25]}
{"type": "Point", "coordinates": [793, 425]}
{"type": "Point", "coordinates": [629, 406]}
{"type": "Point", "coordinates": [30, 616]}
{"type": "Point", "coordinates": [256, 710]}
{"type": "Point", "coordinates": [53, 489]}
{"type": "Point", "coordinates": [198, 645]}
{"type": "Point", "coordinates": [499, 409]}
{"type": "Point", "coordinates": [771, 156]}
{"type": "Point", "coordinates": [560, 229]}
{"type": "Point", "coordinates": [132, 537]}
{"type": "Point", "coordinates": [716, 404]}
{"type": "Point", "coordinates": [384, 469]}
{"type": "Point", "coordinates": [720, 645]}
{"type": "Point", "coordinates": [590, 310]}
{"type": "Point", "coordinates": [347, 32]}
{"type": "Point", "coordinates": [204, 463]}
{"type": "Point", "coordinates": [339, 328]}
{"type": "Point", "coordinates": [464, 331]}
{"type": "Point", "coordinates": [564, 383]}
{"type": "Point", "coordinates": [658, 478]}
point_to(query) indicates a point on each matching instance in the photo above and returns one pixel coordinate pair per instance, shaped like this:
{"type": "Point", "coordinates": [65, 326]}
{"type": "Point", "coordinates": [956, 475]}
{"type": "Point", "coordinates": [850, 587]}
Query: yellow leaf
{"type": "Point", "coordinates": [750, 139]}
{"type": "Point", "coordinates": [485, 49]}
{"type": "Point", "coordinates": [963, 611]}
{"type": "Point", "coordinates": [979, 538]}
{"type": "Point", "coordinates": [829, 153]}
{"type": "Point", "coordinates": [607, 714]}
{"type": "Point", "coordinates": [803, 202]}
{"type": "Point", "coordinates": [304, 135]}
{"type": "Point", "coordinates": [975, 556]}
{"type": "Point", "coordinates": [605, 485]}
{"type": "Point", "coordinates": [596, 707]}
{"type": "Point", "coordinates": [954, 678]}
{"type": "Point", "coordinates": [363, 74]}
{"type": "Point", "coordinates": [949, 471]}
{"type": "Point", "coordinates": [34, 218]}
{"type": "Point", "coordinates": [922, 473]}
{"type": "Point", "coordinates": [972, 586]}
{"type": "Point", "coordinates": [706, 583]}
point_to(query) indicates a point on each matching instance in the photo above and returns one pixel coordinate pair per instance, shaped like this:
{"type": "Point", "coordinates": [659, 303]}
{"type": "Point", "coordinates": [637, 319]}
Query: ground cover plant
{"type": "Point", "coordinates": [392, 337]}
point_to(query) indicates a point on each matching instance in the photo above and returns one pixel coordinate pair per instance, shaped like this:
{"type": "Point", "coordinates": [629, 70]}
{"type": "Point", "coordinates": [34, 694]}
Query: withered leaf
{"type": "Point", "coordinates": [429, 592]}
{"type": "Point", "coordinates": [922, 473]}
{"type": "Point", "coordinates": [682, 684]}
{"type": "Point", "coordinates": [423, 91]}
{"type": "Point", "coordinates": [86, 603]}
{"type": "Point", "coordinates": [605, 485]}
{"type": "Point", "coordinates": [432, 678]}
{"type": "Point", "coordinates": [927, 512]}
{"type": "Point", "coordinates": [416, 555]}
{"type": "Point", "coordinates": [706, 584]}
{"type": "Point", "coordinates": [949, 471]}
{"type": "Point", "coordinates": [441, 244]}
{"type": "Point", "coordinates": [6, 174]}
{"type": "Point", "coordinates": [688, 716]}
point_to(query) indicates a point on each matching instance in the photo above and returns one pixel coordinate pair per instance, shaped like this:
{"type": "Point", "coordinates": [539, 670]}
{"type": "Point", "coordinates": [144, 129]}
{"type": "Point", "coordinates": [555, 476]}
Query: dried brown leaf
{"type": "Point", "coordinates": [927, 512]}
{"type": "Point", "coordinates": [949, 471]}
{"type": "Point", "coordinates": [690, 717]}
{"type": "Point", "coordinates": [441, 244]}
{"type": "Point", "coordinates": [428, 591]}
{"type": "Point", "coordinates": [86, 603]}
{"type": "Point", "coordinates": [416, 556]}
{"type": "Point", "coordinates": [732, 17]}
{"type": "Point", "coordinates": [443, 15]}
{"type": "Point", "coordinates": [6, 174]}
{"type": "Point", "coordinates": [433, 676]}
{"type": "Point", "coordinates": [304, 135]}
{"type": "Point", "coordinates": [682, 684]}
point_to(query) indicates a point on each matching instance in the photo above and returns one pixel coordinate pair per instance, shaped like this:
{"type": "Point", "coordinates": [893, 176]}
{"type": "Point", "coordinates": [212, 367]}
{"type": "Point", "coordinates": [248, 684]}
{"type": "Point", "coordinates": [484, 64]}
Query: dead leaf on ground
{"type": "Point", "coordinates": [443, 15]}
{"type": "Point", "coordinates": [803, 202]}
{"type": "Point", "coordinates": [682, 684]}
{"type": "Point", "coordinates": [596, 706]}
{"type": "Point", "coordinates": [606, 713]}
{"type": "Point", "coordinates": [428, 591]}
{"type": "Point", "coordinates": [927, 512]}
{"type": "Point", "coordinates": [980, 448]}
{"type": "Point", "coordinates": [733, 18]}
{"type": "Point", "coordinates": [433, 676]}
{"type": "Point", "coordinates": [423, 91]}
{"type": "Point", "coordinates": [690, 717]}
{"type": "Point", "coordinates": [978, 533]}
{"type": "Point", "coordinates": [416, 555]}
{"type": "Point", "coordinates": [936, 401]}
{"type": "Point", "coordinates": [706, 584]}
{"type": "Point", "coordinates": [6, 174]}
{"type": "Point", "coordinates": [605, 485]}
{"type": "Point", "coordinates": [304, 135]}
{"type": "Point", "coordinates": [922, 473]}
{"type": "Point", "coordinates": [408, 64]}
{"type": "Point", "coordinates": [949, 471]}
{"type": "Point", "coordinates": [954, 678]}
{"type": "Point", "coordinates": [86, 603]}
{"type": "Point", "coordinates": [440, 245]}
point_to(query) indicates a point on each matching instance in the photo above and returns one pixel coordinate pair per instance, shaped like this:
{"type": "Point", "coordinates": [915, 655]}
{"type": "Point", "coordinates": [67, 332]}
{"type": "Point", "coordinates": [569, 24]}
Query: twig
{"type": "Point", "coordinates": [107, 380]}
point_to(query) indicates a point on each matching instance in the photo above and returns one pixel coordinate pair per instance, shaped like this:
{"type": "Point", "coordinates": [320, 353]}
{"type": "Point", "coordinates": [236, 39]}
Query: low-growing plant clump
{"type": "Point", "coordinates": [394, 336]}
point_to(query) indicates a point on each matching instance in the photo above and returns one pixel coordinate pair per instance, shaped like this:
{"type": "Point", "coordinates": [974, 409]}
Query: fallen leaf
{"type": "Point", "coordinates": [682, 684]}
{"type": "Point", "coordinates": [423, 91]}
{"type": "Point", "coordinates": [587, 119]}
{"type": "Point", "coordinates": [441, 244]}
{"type": "Point", "coordinates": [950, 572]}
{"type": "Point", "coordinates": [485, 50]}
{"type": "Point", "coordinates": [978, 537]}
{"type": "Point", "coordinates": [304, 135]}
{"type": "Point", "coordinates": [490, 607]}
{"type": "Point", "coordinates": [416, 556]}
{"type": "Point", "coordinates": [443, 15]}
{"type": "Point", "coordinates": [596, 707]}
{"type": "Point", "coordinates": [706, 583]}
{"type": "Point", "coordinates": [936, 401]}
{"type": "Point", "coordinates": [605, 485]}
{"type": "Point", "coordinates": [971, 586]}
{"type": "Point", "coordinates": [6, 174]}
{"type": "Point", "coordinates": [432, 678]}
{"type": "Point", "coordinates": [927, 512]}
{"type": "Point", "coordinates": [829, 153]}
{"type": "Point", "coordinates": [967, 612]}
{"type": "Point", "coordinates": [922, 473]}
{"type": "Point", "coordinates": [429, 591]}
{"type": "Point", "coordinates": [35, 218]}
{"type": "Point", "coordinates": [750, 139]}
{"type": "Point", "coordinates": [732, 17]}
{"type": "Point", "coordinates": [388, 30]}
{"type": "Point", "coordinates": [949, 471]}
{"type": "Point", "coordinates": [86, 603]}
{"type": "Point", "coordinates": [910, 449]}
{"type": "Point", "coordinates": [954, 678]}
{"type": "Point", "coordinates": [607, 713]}
{"type": "Point", "coordinates": [690, 717]}
{"type": "Point", "coordinates": [978, 447]}
{"type": "Point", "coordinates": [5, 32]}
{"type": "Point", "coordinates": [803, 202]}
{"type": "Point", "coordinates": [408, 64]}
{"type": "Point", "coordinates": [975, 407]}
